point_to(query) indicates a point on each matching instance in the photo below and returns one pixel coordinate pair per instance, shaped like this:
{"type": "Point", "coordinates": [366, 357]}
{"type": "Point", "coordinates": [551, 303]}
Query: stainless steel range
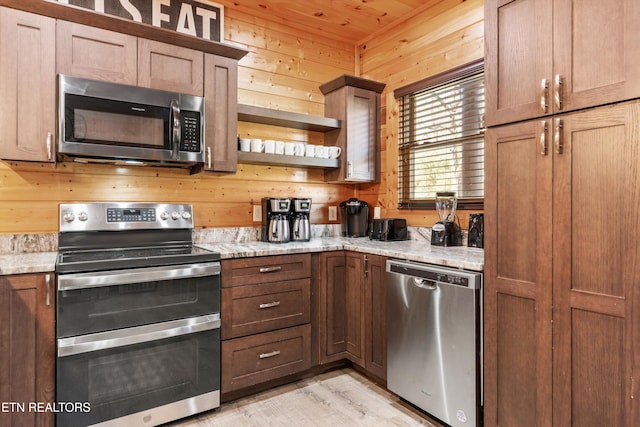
{"type": "Point", "coordinates": [138, 316]}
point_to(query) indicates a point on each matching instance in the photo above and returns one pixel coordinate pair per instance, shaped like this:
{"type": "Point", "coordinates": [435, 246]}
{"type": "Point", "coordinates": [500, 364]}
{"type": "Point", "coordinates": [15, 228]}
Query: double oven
{"type": "Point", "coordinates": [138, 316]}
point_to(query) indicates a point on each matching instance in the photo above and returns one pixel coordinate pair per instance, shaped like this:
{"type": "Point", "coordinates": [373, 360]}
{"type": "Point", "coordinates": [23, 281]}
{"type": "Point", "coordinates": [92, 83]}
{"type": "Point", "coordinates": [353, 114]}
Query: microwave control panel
{"type": "Point", "coordinates": [190, 131]}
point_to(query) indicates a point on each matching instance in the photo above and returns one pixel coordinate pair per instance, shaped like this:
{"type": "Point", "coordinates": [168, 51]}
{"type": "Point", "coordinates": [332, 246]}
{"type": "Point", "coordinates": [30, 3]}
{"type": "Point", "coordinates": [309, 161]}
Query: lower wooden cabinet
{"type": "Point", "coordinates": [267, 356]}
{"type": "Point", "coordinates": [27, 347]}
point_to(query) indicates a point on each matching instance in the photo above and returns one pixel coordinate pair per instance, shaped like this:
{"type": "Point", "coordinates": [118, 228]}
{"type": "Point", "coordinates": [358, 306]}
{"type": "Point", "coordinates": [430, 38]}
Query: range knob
{"type": "Point", "coordinates": [164, 216]}
{"type": "Point", "coordinates": [175, 215]}
{"type": "Point", "coordinates": [68, 216]}
{"type": "Point", "coordinates": [186, 215]}
{"type": "Point", "coordinates": [82, 216]}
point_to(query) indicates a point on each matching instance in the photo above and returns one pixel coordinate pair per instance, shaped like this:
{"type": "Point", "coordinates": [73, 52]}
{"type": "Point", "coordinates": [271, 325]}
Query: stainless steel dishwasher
{"type": "Point", "coordinates": [434, 340]}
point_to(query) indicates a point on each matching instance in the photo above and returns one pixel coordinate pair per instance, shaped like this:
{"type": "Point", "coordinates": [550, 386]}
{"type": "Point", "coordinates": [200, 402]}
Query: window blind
{"type": "Point", "coordinates": [441, 140]}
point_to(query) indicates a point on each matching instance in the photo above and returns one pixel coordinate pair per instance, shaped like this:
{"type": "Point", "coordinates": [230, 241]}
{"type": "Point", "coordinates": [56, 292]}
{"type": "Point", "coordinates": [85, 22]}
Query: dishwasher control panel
{"type": "Point", "coordinates": [436, 273]}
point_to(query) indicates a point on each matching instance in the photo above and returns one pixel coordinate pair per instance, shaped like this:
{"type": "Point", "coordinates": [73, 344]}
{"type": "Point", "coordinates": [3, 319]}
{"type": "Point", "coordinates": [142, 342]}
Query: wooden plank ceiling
{"type": "Point", "coordinates": [347, 20]}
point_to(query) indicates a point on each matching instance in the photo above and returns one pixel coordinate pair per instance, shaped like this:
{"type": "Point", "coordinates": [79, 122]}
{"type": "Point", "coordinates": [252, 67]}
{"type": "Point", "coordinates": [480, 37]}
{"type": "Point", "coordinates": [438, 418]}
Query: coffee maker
{"type": "Point", "coordinates": [299, 220]}
{"type": "Point", "coordinates": [354, 218]}
{"type": "Point", "coordinates": [275, 219]}
{"type": "Point", "coordinates": [446, 232]}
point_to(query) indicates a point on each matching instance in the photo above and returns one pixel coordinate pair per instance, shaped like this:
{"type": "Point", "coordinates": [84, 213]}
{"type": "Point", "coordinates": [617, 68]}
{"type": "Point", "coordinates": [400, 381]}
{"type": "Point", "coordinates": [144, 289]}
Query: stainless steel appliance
{"type": "Point", "coordinates": [113, 123]}
{"type": "Point", "coordinates": [138, 315]}
{"type": "Point", "coordinates": [300, 225]}
{"type": "Point", "coordinates": [434, 340]}
{"type": "Point", "coordinates": [388, 229]}
{"type": "Point", "coordinates": [354, 218]}
{"type": "Point", "coordinates": [446, 232]}
{"type": "Point", "coordinates": [275, 219]}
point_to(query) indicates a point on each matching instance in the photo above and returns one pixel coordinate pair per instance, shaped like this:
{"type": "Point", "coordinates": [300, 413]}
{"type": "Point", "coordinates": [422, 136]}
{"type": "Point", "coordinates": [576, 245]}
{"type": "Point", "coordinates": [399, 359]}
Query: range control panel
{"type": "Point", "coordinates": [124, 216]}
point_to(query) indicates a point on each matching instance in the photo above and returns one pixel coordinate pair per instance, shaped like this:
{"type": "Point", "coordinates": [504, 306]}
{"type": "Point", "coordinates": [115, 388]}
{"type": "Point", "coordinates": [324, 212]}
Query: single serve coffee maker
{"type": "Point", "coordinates": [446, 232]}
{"type": "Point", "coordinates": [275, 220]}
{"type": "Point", "coordinates": [354, 218]}
{"type": "Point", "coordinates": [299, 221]}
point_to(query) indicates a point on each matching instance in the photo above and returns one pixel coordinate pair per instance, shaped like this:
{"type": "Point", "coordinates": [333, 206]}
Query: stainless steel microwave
{"type": "Point", "coordinates": [114, 123]}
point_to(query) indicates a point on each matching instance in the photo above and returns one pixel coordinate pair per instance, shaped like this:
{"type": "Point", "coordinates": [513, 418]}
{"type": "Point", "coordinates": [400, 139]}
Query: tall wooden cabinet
{"type": "Point", "coordinates": [27, 85]}
{"type": "Point", "coordinates": [27, 348]}
{"type": "Point", "coordinates": [549, 56]}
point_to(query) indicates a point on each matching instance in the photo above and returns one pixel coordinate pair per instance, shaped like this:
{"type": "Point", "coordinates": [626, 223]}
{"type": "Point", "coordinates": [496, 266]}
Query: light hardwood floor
{"type": "Point", "coordinates": [338, 398]}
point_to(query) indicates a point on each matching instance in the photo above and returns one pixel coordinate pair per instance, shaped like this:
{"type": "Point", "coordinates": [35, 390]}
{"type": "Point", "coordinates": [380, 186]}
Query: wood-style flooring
{"type": "Point", "coordinates": [337, 398]}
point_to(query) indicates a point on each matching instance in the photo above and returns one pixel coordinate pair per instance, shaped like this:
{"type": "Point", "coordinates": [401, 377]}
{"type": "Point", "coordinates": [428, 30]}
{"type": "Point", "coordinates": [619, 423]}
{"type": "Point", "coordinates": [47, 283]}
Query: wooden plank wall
{"type": "Point", "coordinates": [283, 70]}
{"type": "Point", "coordinates": [441, 35]}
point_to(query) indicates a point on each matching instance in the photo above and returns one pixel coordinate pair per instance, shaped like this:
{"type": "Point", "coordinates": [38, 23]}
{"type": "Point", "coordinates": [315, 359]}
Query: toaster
{"type": "Point", "coordinates": [389, 229]}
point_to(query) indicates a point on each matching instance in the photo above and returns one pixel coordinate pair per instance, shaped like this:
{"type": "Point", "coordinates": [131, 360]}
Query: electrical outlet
{"type": "Point", "coordinates": [257, 213]}
{"type": "Point", "coordinates": [333, 213]}
{"type": "Point", "coordinates": [376, 212]}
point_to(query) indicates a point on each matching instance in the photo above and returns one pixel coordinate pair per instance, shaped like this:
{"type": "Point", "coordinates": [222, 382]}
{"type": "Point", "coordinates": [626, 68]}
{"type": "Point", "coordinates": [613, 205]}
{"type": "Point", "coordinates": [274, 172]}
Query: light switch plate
{"type": "Point", "coordinates": [257, 213]}
{"type": "Point", "coordinates": [333, 213]}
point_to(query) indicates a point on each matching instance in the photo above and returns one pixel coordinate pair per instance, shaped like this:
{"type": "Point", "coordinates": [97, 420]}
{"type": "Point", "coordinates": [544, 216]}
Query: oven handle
{"type": "Point", "coordinates": [136, 335]}
{"type": "Point", "coordinates": [68, 282]}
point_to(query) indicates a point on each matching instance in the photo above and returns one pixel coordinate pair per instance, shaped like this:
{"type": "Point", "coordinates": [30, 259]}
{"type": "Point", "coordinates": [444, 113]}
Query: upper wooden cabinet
{"type": "Point", "coordinates": [171, 68]}
{"type": "Point", "coordinates": [548, 56]}
{"type": "Point", "coordinates": [94, 53]}
{"type": "Point", "coordinates": [28, 86]}
{"type": "Point", "coordinates": [356, 103]}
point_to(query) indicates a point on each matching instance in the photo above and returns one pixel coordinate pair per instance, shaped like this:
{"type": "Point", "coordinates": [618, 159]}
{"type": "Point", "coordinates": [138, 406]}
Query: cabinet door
{"type": "Point", "coordinates": [596, 52]}
{"type": "Point", "coordinates": [354, 291]}
{"type": "Point", "coordinates": [596, 270]}
{"type": "Point", "coordinates": [332, 328]}
{"type": "Point", "coordinates": [94, 53]}
{"type": "Point", "coordinates": [27, 359]}
{"type": "Point", "coordinates": [221, 94]}
{"type": "Point", "coordinates": [168, 67]}
{"type": "Point", "coordinates": [28, 86]}
{"type": "Point", "coordinates": [375, 315]}
{"type": "Point", "coordinates": [518, 276]}
{"type": "Point", "coordinates": [518, 59]}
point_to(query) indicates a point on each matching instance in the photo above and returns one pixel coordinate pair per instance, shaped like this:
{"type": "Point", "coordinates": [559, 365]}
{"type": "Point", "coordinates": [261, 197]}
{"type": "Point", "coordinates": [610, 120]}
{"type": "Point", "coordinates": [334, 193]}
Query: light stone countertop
{"type": "Point", "coordinates": [413, 250]}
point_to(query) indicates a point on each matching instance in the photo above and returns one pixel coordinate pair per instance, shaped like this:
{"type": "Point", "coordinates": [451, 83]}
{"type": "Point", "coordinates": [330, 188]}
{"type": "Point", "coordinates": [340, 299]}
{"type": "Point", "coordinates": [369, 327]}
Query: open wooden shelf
{"type": "Point", "coordinates": [267, 116]}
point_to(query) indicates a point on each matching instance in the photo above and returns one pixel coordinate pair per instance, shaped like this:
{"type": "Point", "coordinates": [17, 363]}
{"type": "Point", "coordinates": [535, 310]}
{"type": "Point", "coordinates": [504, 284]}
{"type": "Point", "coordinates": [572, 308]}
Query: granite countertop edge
{"type": "Point", "coordinates": [411, 250]}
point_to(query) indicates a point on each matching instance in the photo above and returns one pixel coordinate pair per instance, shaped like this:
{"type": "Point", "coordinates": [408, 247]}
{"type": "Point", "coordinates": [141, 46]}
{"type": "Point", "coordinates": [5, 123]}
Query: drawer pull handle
{"type": "Point", "coordinates": [268, 355]}
{"type": "Point", "coordinates": [270, 269]}
{"type": "Point", "coordinates": [270, 304]}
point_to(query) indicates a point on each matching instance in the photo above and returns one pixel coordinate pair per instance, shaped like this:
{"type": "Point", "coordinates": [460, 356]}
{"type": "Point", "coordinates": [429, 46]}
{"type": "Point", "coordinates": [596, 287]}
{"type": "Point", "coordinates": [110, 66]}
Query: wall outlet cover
{"type": "Point", "coordinates": [257, 213]}
{"type": "Point", "coordinates": [333, 213]}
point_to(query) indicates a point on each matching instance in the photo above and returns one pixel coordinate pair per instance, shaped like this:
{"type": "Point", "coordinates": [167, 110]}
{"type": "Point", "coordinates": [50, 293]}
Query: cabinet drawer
{"type": "Point", "coordinates": [251, 271]}
{"type": "Point", "coordinates": [259, 308]}
{"type": "Point", "coordinates": [263, 357]}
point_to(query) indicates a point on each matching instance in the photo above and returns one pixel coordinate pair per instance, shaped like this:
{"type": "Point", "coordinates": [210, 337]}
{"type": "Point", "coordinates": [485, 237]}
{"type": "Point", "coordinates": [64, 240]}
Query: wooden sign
{"type": "Point", "coordinates": [199, 18]}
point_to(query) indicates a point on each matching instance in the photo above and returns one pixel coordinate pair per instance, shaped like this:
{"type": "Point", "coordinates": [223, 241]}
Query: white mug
{"type": "Point", "coordinates": [270, 146]}
{"type": "Point", "coordinates": [280, 147]}
{"type": "Point", "coordinates": [310, 150]}
{"type": "Point", "coordinates": [245, 144]}
{"type": "Point", "coordinates": [289, 148]}
{"type": "Point", "coordinates": [299, 149]}
{"type": "Point", "coordinates": [334, 152]}
{"type": "Point", "coordinates": [322, 152]}
{"type": "Point", "coordinates": [257, 146]}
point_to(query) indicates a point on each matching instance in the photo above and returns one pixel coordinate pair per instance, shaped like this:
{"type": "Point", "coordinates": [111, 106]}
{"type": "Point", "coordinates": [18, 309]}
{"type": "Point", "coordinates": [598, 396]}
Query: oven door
{"type": "Point", "coordinates": [146, 375]}
{"type": "Point", "coordinates": [105, 300]}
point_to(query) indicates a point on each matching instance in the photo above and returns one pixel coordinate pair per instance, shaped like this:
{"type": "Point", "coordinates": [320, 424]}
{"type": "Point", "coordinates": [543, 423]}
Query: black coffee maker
{"type": "Point", "coordinates": [275, 220]}
{"type": "Point", "coordinates": [446, 232]}
{"type": "Point", "coordinates": [354, 218]}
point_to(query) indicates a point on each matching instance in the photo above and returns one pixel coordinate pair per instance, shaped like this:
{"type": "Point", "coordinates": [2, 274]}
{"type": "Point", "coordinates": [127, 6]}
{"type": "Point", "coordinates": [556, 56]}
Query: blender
{"type": "Point", "coordinates": [446, 232]}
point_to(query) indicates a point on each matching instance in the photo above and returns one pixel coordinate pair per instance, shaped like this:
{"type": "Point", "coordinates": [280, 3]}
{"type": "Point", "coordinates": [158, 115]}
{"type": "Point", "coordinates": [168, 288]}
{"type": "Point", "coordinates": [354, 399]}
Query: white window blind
{"type": "Point", "coordinates": [441, 139]}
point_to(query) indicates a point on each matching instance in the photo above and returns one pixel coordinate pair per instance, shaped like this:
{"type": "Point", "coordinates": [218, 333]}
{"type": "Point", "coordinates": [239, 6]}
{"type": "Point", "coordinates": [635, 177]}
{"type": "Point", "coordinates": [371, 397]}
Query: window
{"type": "Point", "coordinates": [441, 138]}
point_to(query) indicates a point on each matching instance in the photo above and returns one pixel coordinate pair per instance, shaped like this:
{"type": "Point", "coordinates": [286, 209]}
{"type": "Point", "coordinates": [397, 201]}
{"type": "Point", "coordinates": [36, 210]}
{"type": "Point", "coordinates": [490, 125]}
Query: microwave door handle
{"type": "Point", "coordinates": [176, 129]}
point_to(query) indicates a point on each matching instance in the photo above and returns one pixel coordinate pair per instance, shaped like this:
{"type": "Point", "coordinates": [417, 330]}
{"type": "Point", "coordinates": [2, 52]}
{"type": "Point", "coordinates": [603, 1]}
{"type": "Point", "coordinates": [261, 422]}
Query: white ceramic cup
{"type": "Point", "coordinates": [245, 144]}
{"type": "Point", "coordinates": [270, 146]}
{"type": "Point", "coordinates": [299, 149]}
{"type": "Point", "coordinates": [280, 147]}
{"type": "Point", "coordinates": [289, 148]}
{"type": "Point", "coordinates": [322, 152]}
{"type": "Point", "coordinates": [257, 145]}
{"type": "Point", "coordinates": [334, 152]}
{"type": "Point", "coordinates": [310, 150]}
